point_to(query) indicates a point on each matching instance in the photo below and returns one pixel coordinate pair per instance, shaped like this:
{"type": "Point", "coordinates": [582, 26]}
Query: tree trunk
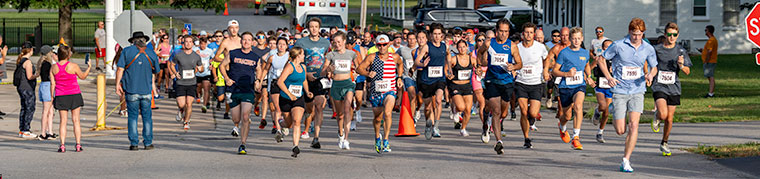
{"type": "Point", "coordinates": [64, 22]}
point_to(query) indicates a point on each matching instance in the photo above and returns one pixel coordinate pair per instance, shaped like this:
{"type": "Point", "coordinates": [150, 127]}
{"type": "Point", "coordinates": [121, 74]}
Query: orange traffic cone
{"type": "Point", "coordinates": [406, 125]}
{"type": "Point", "coordinates": [152, 100]}
{"type": "Point", "coordinates": [226, 13]}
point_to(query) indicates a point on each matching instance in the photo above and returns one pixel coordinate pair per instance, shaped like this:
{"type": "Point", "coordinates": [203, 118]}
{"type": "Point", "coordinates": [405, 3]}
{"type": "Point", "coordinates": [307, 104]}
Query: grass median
{"type": "Point", "coordinates": [749, 149]}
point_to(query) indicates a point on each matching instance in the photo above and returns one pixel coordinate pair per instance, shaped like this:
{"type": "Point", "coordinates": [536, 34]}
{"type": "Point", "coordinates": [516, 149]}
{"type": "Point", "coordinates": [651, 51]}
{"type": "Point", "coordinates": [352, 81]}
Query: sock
{"type": "Point", "coordinates": [499, 141]}
{"type": "Point", "coordinates": [663, 142]}
{"type": "Point", "coordinates": [710, 94]}
{"type": "Point", "coordinates": [601, 131]}
{"type": "Point", "coordinates": [576, 132]}
{"type": "Point", "coordinates": [564, 128]}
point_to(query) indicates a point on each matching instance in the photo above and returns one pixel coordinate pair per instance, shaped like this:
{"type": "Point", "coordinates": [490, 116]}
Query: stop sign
{"type": "Point", "coordinates": [752, 21]}
{"type": "Point", "coordinates": [121, 25]}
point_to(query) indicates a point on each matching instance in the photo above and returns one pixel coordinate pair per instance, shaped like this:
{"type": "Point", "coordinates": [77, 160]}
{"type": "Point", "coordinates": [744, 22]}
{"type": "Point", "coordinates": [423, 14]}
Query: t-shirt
{"type": "Point", "coordinates": [137, 78]}
{"type": "Point", "coordinates": [100, 34]}
{"type": "Point", "coordinates": [45, 71]}
{"type": "Point", "coordinates": [712, 44]}
{"type": "Point", "coordinates": [186, 64]}
{"type": "Point", "coordinates": [406, 53]}
{"type": "Point", "coordinates": [667, 66]}
{"type": "Point", "coordinates": [628, 60]}
{"type": "Point", "coordinates": [205, 55]}
{"type": "Point", "coordinates": [569, 59]}
{"type": "Point", "coordinates": [533, 63]}
{"type": "Point", "coordinates": [336, 57]}
{"type": "Point", "coordinates": [243, 70]}
{"type": "Point", "coordinates": [314, 53]}
{"type": "Point", "coordinates": [550, 44]}
{"type": "Point", "coordinates": [596, 45]}
{"type": "Point", "coordinates": [260, 52]}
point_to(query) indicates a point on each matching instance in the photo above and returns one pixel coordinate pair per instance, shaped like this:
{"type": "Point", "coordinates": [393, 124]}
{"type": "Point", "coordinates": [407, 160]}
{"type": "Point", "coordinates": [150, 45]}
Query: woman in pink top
{"type": "Point", "coordinates": [68, 97]}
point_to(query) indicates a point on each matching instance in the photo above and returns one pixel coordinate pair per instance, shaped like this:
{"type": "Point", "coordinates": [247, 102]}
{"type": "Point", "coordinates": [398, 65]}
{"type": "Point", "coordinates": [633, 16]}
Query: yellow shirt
{"type": "Point", "coordinates": [374, 49]}
{"type": "Point", "coordinates": [712, 44]}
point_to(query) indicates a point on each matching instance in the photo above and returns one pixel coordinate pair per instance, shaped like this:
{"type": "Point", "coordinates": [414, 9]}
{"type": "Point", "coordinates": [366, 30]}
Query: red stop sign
{"type": "Point", "coordinates": [752, 22]}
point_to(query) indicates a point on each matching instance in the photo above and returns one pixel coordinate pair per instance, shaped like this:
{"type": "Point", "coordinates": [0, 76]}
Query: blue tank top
{"type": "Point", "coordinates": [294, 78]}
{"type": "Point", "coordinates": [437, 57]}
{"type": "Point", "coordinates": [496, 73]}
{"type": "Point", "coordinates": [243, 70]}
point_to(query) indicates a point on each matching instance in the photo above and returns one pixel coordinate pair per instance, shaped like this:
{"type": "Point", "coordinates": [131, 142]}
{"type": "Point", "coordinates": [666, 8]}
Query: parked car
{"type": "Point", "coordinates": [516, 15]}
{"type": "Point", "coordinates": [275, 7]}
{"type": "Point", "coordinates": [453, 17]}
{"type": "Point", "coordinates": [489, 5]}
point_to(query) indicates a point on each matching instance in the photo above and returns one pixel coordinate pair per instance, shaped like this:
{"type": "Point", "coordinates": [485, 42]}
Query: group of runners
{"type": "Point", "coordinates": [296, 76]}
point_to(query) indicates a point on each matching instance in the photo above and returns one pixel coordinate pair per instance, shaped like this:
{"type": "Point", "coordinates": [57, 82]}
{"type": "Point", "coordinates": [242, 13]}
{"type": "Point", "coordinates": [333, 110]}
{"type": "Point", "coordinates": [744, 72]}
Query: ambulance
{"type": "Point", "coordinates": [333, 13]}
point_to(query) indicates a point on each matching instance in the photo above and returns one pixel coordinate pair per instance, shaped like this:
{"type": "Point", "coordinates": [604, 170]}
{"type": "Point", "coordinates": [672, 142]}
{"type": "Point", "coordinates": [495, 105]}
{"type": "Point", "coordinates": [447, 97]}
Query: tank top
{"type": "Point", "coordinates": [433, 72]}
{"type": "Point", "coordinates": [294, 80]}
{"type": "Point", "coordinates": [165, 50]}
{"type": "Point", "coordinates": [497, 70]}
{"type": "Point", "coordinates": [461, 72]}
{"type": "Point", "coordinates": [65, 82]}
{"type": "Point", "coordinates": [388, 70]}
{"type": "Point", "coordinates": [278, 63]}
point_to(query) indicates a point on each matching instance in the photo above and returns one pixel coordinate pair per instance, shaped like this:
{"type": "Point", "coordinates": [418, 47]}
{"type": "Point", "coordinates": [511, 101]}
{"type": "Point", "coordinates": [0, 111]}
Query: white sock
{"type": "Point", "coordinates": [564, 128]}
{"type": "Point", "coordinates": [576, 132]}
{"type": "Point", "coordinates": [710, 94]}
{"type": "Point", "coordinates": [601, 131]}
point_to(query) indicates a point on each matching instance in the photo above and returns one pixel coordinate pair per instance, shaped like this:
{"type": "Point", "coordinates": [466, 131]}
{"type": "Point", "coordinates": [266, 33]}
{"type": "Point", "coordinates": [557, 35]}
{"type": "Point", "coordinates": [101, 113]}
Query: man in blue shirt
{"type": "Point", "coordinates": [627, 81]}
{"type": "Point", "coordinates": [134, 78]}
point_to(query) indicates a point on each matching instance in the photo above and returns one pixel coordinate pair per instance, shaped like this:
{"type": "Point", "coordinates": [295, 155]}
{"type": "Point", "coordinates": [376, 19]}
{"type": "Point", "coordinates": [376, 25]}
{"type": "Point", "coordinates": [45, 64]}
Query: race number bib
{"type": "Point", "coordinates": [574, 80]}
{"type": "Point", "coordinates": [499, 60]}
{"type": "Point", "coordinates": [603, 83]}
{"type": "Point", "coordinates": [326, 83]}
{"type": "Point", "coordinates": [435, 71]}
{"type": "Point", "coordinates": [631, 73]}
{"type": "Point", "coordinates": [278, 71]}
{"type": "Point", "coordinates": [666, 77]}
{"type": "Point", "coordinates": [342, 65]}
{"type": "Point", "coordinates": [296, 90]}
{"type": "Point", "coordinates": [464, 74]}
{"type": "Point", "coordinates": [530, 71]}
{"type": "Point", "coordinates": [383, 86]}
{"type": "Point", "coordinates": [557, 80]}
{"type": "Point", "coordinates": [188, 74]}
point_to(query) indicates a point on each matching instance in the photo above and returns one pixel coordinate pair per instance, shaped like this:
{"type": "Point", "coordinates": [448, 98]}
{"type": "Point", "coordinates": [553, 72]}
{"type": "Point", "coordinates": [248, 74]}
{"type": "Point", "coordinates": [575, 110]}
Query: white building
{"type": "Point", "coordinates": [691, 16]}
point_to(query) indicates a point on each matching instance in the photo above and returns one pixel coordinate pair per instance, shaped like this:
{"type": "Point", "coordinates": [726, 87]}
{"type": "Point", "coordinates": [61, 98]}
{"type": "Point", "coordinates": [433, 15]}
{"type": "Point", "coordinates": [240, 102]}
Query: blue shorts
{"type": "Point", "coordinates": [606, 91]}
{"type": "Point", "coordinates": [377, 99]}
{"type": "Point", "coordinates": [566, 95]}
{"type": "Point", "coordinates": [44, 92]}
{"type": "Point", "coordinates": [409, 82]}
{"type": "Point", "coordinates": [220, 90]}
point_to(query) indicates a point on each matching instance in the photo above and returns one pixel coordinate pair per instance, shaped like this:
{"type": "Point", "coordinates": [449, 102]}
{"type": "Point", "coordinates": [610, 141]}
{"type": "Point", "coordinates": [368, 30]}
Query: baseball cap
{"type": "Point", "coordinates": [382, 39]}
{"type": "Point", "coordinates": [26, 44]}
{"type": "Point", "coordinates": [45, 49]}
{"type": "Point", "coordinates": [203, 32]}
{"type": "Point", "coordinates": [233, 23]}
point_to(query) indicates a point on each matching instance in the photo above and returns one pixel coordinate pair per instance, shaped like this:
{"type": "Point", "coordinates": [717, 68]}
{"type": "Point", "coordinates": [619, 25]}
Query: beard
{"type": "Point", "coordinates": [140, 42]}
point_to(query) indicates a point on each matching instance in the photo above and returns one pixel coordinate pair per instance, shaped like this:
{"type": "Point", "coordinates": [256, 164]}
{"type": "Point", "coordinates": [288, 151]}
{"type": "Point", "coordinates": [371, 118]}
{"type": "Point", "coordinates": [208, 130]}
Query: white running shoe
{"type": "Point", "coordinates": [346, 145]}
{"type": "Point", "coordinates": [485, 137]}
{"type": "Point", "coordinates": [340, 142]}
{"type": "Point", "coordinates": [595, 117]}
{"type": "Point", "coordinates": [453, 117]}
{"type": "Point", "coordinates": [417, 116]}
{"type": "Point", "coordinates": [235, 131]}
{"type": "Point", "coordinates": [533, 127]}
{"type": "Point", "coordinates": [285, 131]}
{"type": "Point", "coordinates": [304, 135]}
{"type": "Point", "coordinates": [27, 135]}
{"type": "Point", "coordinates": [179, 116]}
{"type": "Point", "coordinates": [625, 166]}
{"type": "Point", "coordinates": [353, 125]}
{"type": "Point", "coordinates": [464, 133]}
{"type": "Point", "coordinates": [358, 116]}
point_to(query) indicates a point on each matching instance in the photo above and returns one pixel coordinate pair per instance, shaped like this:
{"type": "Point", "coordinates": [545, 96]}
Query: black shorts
{"type": "Point", "coordinates": [286, 104]}
{"type": "Point", "coordinates": [186, 90]}
{"type": "Point", "coordinates": [550, 84]}
{"type": "Point", "coordinates": [428, 90]}
{"type": "Point", "coordinates": [162, 66]}
{"type": "Point", "coordinates": [672, 100]}
{"type": "Point", "coordinates": [315, 87]}
{"type": "Point", "coordinates": [360, 86]}
{"type": "Point", "coordinates": [200, 79]}
{"type": "Point", "coordinates": [463, 89]}
{"type": "Point", "coordinates": [68, 102]}
{"type": "Point", "coordinates": [532, 92]}
{"type": "Point", "coordinates": [275, 89]}
{"type": "Point", "coordinates": [504, 91]}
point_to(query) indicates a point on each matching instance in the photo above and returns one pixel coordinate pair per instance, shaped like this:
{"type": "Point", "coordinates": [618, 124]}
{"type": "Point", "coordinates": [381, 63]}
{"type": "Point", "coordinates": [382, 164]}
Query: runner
{"type": "Point", "coordinates": [564, 42]}
{"type": "Point", "coordinates": [459, 68]}
{"type": "Point", "coordinates": [339, 63]}
{"type": "Point", "coordinates": [572, 66]}
{"type": "Point", "coordinates": [477, 87]}
{"type": "Point", "coordinates": [164, 51]}
{"type": "Point", "coordinates": [422, 41]}
{"type": "Point", "coordinates": [241, 78]}
{"type": "Point", "coordinates": [315, 48]}
{"type": "Point", "coordinates": [382, 68]}
{"type": "Point", "coordinates": [233, 42]}
{"type": "Point", "coordinates": [274, 66]}
{"type": "Point", "coordinates": [671, 58]}
{"type": "Point", "coordinates": [503, 58]}
{"type": "Point", "coordinates": [432, 81]}
{"type": "Point", "coordinates": [406, 52]}
{"type": "Point", "coordinates": [204, 77]}
{"type": "Point", "coordinates": [628, 56]}
{"type": "Point", "coordinates": [262, 50]}
{"type": "Point", "coordinates": [603, 96]}
{"type": "Point", "coordinates": [352, 40]}
{"type": "Point", "coordinates": [187, 64]}
{"type": "Point", "coordinates": [293, 82]}
{"type": "Point", "coordinates": [68, 97]}
{"type": "Point", "coordinates": [529, 79]}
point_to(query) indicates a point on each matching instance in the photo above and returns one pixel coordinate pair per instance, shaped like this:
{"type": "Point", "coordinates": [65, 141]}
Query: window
{"type": "Point", "coordinates": [573, 13]}
{"type": "Point", "coordinates": [700, 8]}
{"type": "Point", "coordinates": [454, 16]}
{"type": "Point", "coordinates": [551, 12]}
{"type": "Point", "coordinates": [731, 12]}
{"type": "Point", "coordinates": [472, 17]}
{"type": "Point", "coordinates": [667, 11]}
{"type": "Point", "coordinates": [437, 16]}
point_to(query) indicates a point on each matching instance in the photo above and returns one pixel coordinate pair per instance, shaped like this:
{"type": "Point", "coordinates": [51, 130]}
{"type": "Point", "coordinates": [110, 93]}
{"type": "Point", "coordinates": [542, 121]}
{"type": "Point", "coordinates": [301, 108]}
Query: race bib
{"type": "Point", "coordinates": [464, 74]}
{"type": "Point", "coordinates": [499, 60]}
{"type": "Point", "coordinates": [603, 83]}
{"type": "Point", "coordinates": [188, 74]}
{"type": "Point", "coordinates": [326, 83]}
{"type": "Point", "coordinates": [435, 71]}
{"type": "Point", "coordinates": [574, 80]}
{"type": "Point", "coordinates": [631, 73]}
{"type": "Point", "coordinates": [342, 65]}
{"type": "Point", "coordinates": [295, 90]}
{"type": "Point", "coordinates": [277, 71]}
{"type": "Point", "coordinates": [557, 80]}
{"type": "Point", "coordinates": [383, 86]}
{"type": "Point", "coordinates": [666, 77]}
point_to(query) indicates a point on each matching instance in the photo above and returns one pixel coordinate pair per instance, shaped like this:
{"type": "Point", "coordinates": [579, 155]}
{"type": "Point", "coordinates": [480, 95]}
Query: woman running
{"type": "Point", "coordinates": [68, 97]}
{"type": "Point", "coordinates": [292, 102]}
{"type": "Point", "coordinates": [339, 63]}
{"type": "Point", "coordinates": [164, 52]}
{"type": "Point", "coordinates": [461, 66]}
{"type": "Point", "coordinates": [274, 65]}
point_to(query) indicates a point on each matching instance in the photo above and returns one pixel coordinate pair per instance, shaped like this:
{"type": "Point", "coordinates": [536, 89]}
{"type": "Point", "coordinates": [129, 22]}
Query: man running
{"type": "Point", "coordinates": [187, 64]}
{"type": "Point", "coordinates": [572, 66]}
{"type": "Point", "coordinates": [502, 57]}
{"type": "Point", "coordinates": [529, 79]}
{"type": "Point", "coordinates": [204, 78]}
{"type": "Point", "coordinates": [564, 42]}
{"type": "Point", "coordinates": [230, 43]}
{"type": "Point", "coordinates": [314, 48]}
{"type": "Point", "coordinates": [603, 95]}
{"type": "Point", "coordinates": [627, 80]}
{"type": "Point", "coordinates": [262, 50]}
{"type": "Point", "coordinates": [432, 81]}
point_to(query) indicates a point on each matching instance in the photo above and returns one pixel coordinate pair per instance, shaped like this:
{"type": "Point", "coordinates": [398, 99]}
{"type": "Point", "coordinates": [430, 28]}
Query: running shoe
{"type": "Point", "coordinates": [353, 125]}
{"type": "Point", "coordinates": [499, 148]}
{"type": "Point", "coordinates": [256, 111]}
{"type": "Point", "coordinates": [484, 137]}
{"type": "Point", "coordinates": [346, 145]}
{"type": "Point", "coordinates": [340, 142]}
{"type": "Point", "coordinates": [198, 100]}
{"type": "Point", "coordinates": [514, 116]}
{"type": "Point", "coordinates": [62, 149]}
{"type": "Point", "coordinates": [218, 105]}
{"type": "Point", "coordinates": [226, 115]}
{"type": "Point", "coordinates": [235, 131]}
{"type": "Point", "coordinates": [600, 138]}
{"type": "Point", "coordinates": [563, 135]}
{"type": "Point", "coordinates": [79, 148]}
{"type": "Point", "coordinates": [378, 145]}
{"type": "Point", "coordinates": [656, 123]}
{"type": "Point", "coordinates": [274, 130]}
{"type": "Point", "coordinates": [358, 116]}
{"type": "Point", "coordinates": [334, 114]}
{"type": "Point", "coordinates": [539, 117]}
{"type": "Point", "coordinates": [456, 117]}
{"type": "Point", "coordinates": [464, 133]}
{"type": "Point", "coordinates": [429, 129]}
{"type": "Point", "coordinates": [665, 149]}
{"type": "Point", "coordinates": [311, 128]}
{"type": "Point", "coordinates": [457, 125]}
{"type": "Point", "coordinates": [285, 131]}
{"type": "Point", "coordinates": [417, 116]}
{"type": "Point", "coordinates": [503, 133]}
{"type": "Point", "coordinates": [533, 127]}
{"type": "Point", "coordinates": [625, 166]}
{"type": "Point", "coordinates": [278, 136]}
{"type": "Point", "coordinates": [576, 143]}
{"type": "Point", "coordinates": [133, 147]}
{"type": "Point", "coordinates": [204, 109]}
{"type": "Point", "coordinates": [178, 118]}
{"type": "Point", "coordinates": [27, 135]}
{"type": "Point", "coordinates": [123, 113]}
{"type": "Point", "coordinates": [241, 150]}
{"type": "Point", "coordinates": [262, 124]}
{"type": "Point", "coordinates": [709, 95]}
{"type": "Point", "coordinates": [386, 146]}
{"type": "Point", "coordinates": [40, 137]}
{"type": "Point", "coordinates": [186, 126]}
{"type": "Point", "coordinates": [304, 135]}
{"type": "Point", "coordinates": [436, 131]}
{"type": "Point", "coordinates": [296, 151]}
{"type": "Point", "coordinates": [52, 136]}
{"type": "Point", "coordinates": [595, 118]}
{"type": "Point", "coordinates": [315, 143]}
{"type": "Point", "coordinates": [527, 144]}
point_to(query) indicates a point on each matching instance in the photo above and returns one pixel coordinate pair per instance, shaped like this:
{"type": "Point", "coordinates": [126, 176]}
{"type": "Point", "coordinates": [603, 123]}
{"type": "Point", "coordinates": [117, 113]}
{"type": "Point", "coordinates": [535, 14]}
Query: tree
{"type": "Point", "coordinates": [532, 4]}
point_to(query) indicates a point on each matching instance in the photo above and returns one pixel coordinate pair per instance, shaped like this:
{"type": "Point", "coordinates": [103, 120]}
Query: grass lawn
{"type": "Point", "coordinates": [376, 3]}
{"type": "Point", "coordinates": [748, 149]}
{"type": "Point", "coordinates": [737, 79]}
{"type": "Point", "coordinates": [375, 20]}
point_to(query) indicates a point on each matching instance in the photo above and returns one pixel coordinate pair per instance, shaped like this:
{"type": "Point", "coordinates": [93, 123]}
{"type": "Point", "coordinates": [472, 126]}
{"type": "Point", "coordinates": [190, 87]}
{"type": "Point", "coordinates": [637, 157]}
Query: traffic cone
{"type": "Point", "coordinates": [152, 100]}
{"type": "Point", "coordinates": [226, 13]}
{"type": "Point", "coordinates": [406, 124]}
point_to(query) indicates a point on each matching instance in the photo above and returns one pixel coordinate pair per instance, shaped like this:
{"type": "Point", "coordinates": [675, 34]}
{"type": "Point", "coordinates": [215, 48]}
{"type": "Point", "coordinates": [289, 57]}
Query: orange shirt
{"type": "Point", "coordinates": [712, 44]}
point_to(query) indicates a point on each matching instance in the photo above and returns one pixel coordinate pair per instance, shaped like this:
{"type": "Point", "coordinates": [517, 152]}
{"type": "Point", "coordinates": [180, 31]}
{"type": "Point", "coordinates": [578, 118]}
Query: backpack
{"type": "Point", "coordinates": [19, 75]}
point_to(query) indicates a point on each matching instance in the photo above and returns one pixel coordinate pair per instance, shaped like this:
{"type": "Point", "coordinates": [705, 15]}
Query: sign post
{"type": "Point", "coordinates": [752, 21]}
{"type": "Point", "coordinates": [189, 28]}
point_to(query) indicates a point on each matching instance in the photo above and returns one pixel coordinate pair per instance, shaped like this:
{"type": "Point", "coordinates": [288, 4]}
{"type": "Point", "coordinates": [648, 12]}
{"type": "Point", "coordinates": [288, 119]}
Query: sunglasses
{"type": "Point", "coordinates": [480, 40]}
{"type": "Point", "coordinates": [599, 31]}
{"type": "Point", "coordinates": [382, 45]}
{"type": "Point", "coordinates": [671, 34]}
{"type": "Point", "coordinates": [555, 35]}
{"type": "Point", "coordinates": [262, 37]}
{"type": "Point", "coordinates": [218, 36]}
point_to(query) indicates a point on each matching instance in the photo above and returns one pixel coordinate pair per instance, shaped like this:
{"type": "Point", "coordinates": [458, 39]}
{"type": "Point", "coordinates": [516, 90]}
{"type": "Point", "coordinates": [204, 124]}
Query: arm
{"type": "Point", "coordinates": [399, 70]}
{"type": "Point", "coordinates": [119, 75]}
{"type": "Point", "coordinates": [447, 67]}
{"type": "Point", "coordinates": [306, 85]}
{"type": "Point", "coordinates": [3, 53]}
{"type": "Point", "coordinates": [516, 56]}
{"type": "Point", "coordinates": [362, 69]}
{"type": "Point", "coordinates": [29, 68]}
{"type": "Point", "coordinates": [587, 75]}
{"type": "Point", "coordinates": [52, 81]}
{"type": "Point", "coordinates": [222, 49]}
{"type": "Point", "coordinates": [80, 74]}
{"type": "Point", "coordinates": [420, 53]}
{"type": "Point", "coordinates": [682, 64]}
{"type": "Point", "coordinates": [225, 64]}
{"type": "Point", "coordinates": [327, 67]}
{"type": "Point", "coordinates": [482, 53]}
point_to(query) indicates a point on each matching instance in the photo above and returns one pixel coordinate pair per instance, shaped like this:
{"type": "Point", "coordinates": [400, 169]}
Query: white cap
{"type": "Point", "coordinates": [203, 32]}
{"type": "Point", "coordinates": [382, 39]}
{"type": "Point", "coordinates": [305, 33]}
{"type": "Point", "coordinates": [233, 22]}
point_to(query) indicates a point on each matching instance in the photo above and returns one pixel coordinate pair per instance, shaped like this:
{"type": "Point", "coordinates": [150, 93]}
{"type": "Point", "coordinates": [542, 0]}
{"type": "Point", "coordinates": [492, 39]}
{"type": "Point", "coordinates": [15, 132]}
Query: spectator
{"type": "Point", "coordinates": [3, 52]}
{"type": "Point", "coordinates": [68, 97]}
{"type": "Point", "coordinates": [25, 80]}
{"type": "Point", "coordinates": [100, 43]}
{"type": "Point", "coordinates": [710, 59]}
{"type": "Point", "coordinates": [46, 61]}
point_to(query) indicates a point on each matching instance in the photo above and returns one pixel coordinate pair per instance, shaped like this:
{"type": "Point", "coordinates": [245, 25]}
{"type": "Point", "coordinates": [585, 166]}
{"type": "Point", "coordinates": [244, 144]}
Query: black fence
{"type": "Point", "coordinates": [44, 31]}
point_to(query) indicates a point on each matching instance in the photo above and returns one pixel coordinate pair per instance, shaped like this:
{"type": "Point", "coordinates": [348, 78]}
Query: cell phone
{"type": "Point", "coordinates": [87, 58]}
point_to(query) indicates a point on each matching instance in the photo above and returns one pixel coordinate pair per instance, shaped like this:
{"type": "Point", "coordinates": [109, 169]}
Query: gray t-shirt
{"type": "Point", "coordinates": [101, 35]}
{"type": "Point", "coordinates": [342, 62]}
{"type": "Point", "coordinates": [406, 53]}
{"type": "Point", "coordinates": [186, 64]}
{"type": "Point", "coordinates": [666, 80]}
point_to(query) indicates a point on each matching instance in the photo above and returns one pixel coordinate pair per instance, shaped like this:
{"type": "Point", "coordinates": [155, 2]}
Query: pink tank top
{"type": "Point", "coordinates": [165, 49]}
{"type": "Point", "coordinates": [65, 82]}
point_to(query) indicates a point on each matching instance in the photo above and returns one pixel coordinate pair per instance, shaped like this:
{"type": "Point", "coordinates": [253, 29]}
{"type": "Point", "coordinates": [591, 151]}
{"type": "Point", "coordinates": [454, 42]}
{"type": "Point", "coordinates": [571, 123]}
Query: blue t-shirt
{"type": "Point", "coordinates": [137, 78]}
{"type": "Point", "coordinates": [314, 53]}
{"type": "Point", "coordinates": [498, 73]}
{"type": "Point", "coordinates": [243, 70]}
{"type": "Point", "coordinates": [573, 59]}
{"type": "Point", "coordinates": [624, 57]}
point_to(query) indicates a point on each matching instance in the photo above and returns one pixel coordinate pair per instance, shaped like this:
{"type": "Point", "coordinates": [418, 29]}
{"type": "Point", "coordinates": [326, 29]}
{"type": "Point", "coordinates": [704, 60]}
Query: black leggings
{"type": "Point", "coordinates": [26, 113]}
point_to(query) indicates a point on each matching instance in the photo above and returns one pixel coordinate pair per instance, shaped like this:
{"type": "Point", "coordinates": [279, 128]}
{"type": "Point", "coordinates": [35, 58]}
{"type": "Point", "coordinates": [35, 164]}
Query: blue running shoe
{"type": "Point", "coordinates": [378, 145]}
{"type": "Point", "coordinates": [386, 146]}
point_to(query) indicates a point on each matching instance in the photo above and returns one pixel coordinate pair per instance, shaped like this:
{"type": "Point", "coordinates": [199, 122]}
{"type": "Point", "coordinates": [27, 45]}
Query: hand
{"type": "Point", "coordinates": [174, 76]}
{"type": "Point", "coordinates": [400, 84]}
{"type": "Point", "coordinates": [292, 97]}
{"type": "Point", "coordinates": [257, 86]}
{"type": "Point", "coordinates": [424, 64]}
{"type": "Point", "coordinates": [478, 71]}
{"type": "Point", "coordinates": [510, 67]}
{"type": "Point", "coordinates": [88, 66]}
{"type": "Point", "coordinates": [4, 51]}
{"type": "Point", "coordinates": [119, 90]}
{"type": "Point", "coordinates": [572, 72]}
{"type": "Point", "coordinates": [649, 79]}
{"type": "Point", "coordinates": [450, 75]}
{"type": "Point", "coordinates": [372, 74]}
{"type": "Point", "coordinates": [213, 79]}
{"type": "Point", "coordinates": [612, 81]}
{"type": "Point", "coordinates": [547, 77]}
{"type": "Point", "coordinates": [680, 60]}
{"type": "Point", "coordinates": [591, 82]}
{"type": "Point", "coordinates": [310, 95]}
{"type": "Point", "coordinates": [229, 82]}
